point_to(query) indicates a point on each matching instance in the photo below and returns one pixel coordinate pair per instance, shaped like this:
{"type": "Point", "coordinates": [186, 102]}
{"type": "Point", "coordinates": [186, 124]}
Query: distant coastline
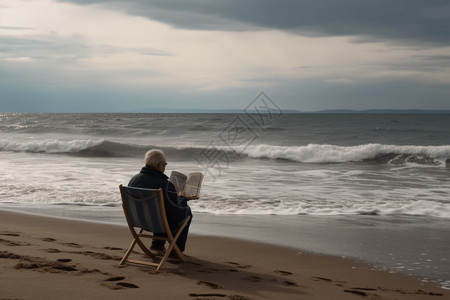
{"type": "Point", "coordinates": [241, 111]}
{"type": "Point", "coordinates": [293, 111]}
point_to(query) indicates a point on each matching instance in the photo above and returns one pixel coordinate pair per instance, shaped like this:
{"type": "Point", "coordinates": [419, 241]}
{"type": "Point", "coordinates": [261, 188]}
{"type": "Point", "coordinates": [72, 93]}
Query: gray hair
{"type": "Point", "coordinates": [154, 157]}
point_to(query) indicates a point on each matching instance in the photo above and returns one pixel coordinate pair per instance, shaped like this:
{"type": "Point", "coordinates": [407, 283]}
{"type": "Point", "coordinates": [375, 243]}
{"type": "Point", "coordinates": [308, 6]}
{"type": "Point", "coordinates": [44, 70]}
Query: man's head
{"type": "Point", "coordinates": [156, 159]}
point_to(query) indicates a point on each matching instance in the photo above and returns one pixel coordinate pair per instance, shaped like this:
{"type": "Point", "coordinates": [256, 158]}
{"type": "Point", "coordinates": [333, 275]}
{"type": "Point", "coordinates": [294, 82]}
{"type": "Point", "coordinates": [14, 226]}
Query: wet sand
{"type": "Point", "coordinates": [53, 258]}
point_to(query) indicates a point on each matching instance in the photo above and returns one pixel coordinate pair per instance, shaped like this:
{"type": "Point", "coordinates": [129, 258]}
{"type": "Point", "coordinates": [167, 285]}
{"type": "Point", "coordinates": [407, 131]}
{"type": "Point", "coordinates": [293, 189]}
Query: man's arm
{"type": "Point", "coordinates": [175, 212]}
{"type": "Point", "coordinates": [172, 193]}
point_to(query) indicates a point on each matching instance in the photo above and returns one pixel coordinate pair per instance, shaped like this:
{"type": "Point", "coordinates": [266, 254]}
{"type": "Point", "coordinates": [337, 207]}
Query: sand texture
{"type": "Point", "coordinates": [51, 258]}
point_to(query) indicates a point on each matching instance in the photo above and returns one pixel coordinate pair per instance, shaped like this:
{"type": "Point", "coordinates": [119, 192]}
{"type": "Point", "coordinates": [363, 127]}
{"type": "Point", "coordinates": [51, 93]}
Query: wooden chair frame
{"type": "Point", "coordinates": [172, 235]}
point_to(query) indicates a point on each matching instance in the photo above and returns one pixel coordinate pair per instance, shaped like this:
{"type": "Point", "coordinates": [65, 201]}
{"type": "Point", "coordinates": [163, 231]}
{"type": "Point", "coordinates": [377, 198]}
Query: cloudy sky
{"type": "Point", "coordinates": [121, 56]}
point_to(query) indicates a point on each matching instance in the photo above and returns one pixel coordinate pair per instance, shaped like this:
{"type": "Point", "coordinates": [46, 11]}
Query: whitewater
{"type": "Point", "coordinates": [354, 185]}
{"type": "Point", "coordinates": [311, 153]}
{"type": "Point", "coordinates": [375, 164]}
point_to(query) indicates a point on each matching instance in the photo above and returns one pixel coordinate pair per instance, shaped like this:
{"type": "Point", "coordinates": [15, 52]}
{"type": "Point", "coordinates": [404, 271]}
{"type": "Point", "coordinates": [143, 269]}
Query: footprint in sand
{"type": "Point", "coordinates": [231, 297]}
{"type": "Point", "coordinates": [52, 250]}
{"type": "Point", "coordinates": [237, 297]}
{"type": "Point", "coordinates": [364, 289]}
{"type": "Point", "coordinates": [5, 254]}
{"type": "Point", "coordinates": [283, 272]}
{"type": "Point", "coordinates": [360, 293]}
{"type": "Point", "coordinates": [97, 255]}
{"type": "Point", "coordinates": [64, 268]}
{"type": "Point", "coordinates": [208, 270]}
{"type": "Point", "coordinates": [322, 279]}
{"type": "Point", "coordinates": [253, 278]}
{"type": "Point", "coordinates": [112, 248]}
{"type": "Point", "coordinates": [127, 285]}
{"type": "Point", "coordinates": [12, 243]}
{"type": "Point", "coordinates": [206, 295]}
{"type": "Point", "coordinates": [10, 234]}
{"type": "Point", "coordinates": [115, 278]}
{"type": "Point", "coordinates": [27, 266]}
{"type": "Point", "coordinates": [49, 240]}
{"type": "Point", "coordinates": [75, 245]}
{"type": "Point", "coordinates": [45, 266]}
{"type": "Point", "coordinates": [336, 282]}
{"type": "Point", "coordinates": [210, 284]}
{"type": "Point", "coordinates": [119, 285]}
{"type": "Point", "coordinates": [238, 265]}
{"type": "Point", "coordinates": [290, 283]}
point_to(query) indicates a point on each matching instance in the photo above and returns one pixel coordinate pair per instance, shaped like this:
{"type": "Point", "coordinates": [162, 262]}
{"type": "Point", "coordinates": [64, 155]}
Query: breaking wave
{"type": "Point", "coordinates": [378, 153]}
{"type": "Point", "coordinates": [312, 153]}
{"type": "Point", "coordinates": [48, 146]}
{"type": "Point", "coordinates": [75, 147]}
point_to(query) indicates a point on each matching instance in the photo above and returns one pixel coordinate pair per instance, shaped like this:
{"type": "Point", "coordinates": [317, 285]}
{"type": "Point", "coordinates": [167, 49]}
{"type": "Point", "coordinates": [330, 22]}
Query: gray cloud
{"type": "Point", "coordinates": [400, 20]}
{"type": "Point", "coordinates": [45, 85]}
{"type": "Point", "coordinates": [436, 58]}
{"type": "Point", "coordinates": [15, 28]}
{"type": "Point", "coordinates": [61, 49]}
{"type": "Point", "coordinates": [109, 49]}
{"type": "Point", "coordinates": [43, 47]}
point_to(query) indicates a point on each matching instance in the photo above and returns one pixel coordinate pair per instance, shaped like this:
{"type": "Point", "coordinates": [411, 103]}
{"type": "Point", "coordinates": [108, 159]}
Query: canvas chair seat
{"type": "Point", "coordinates": [144, 210]}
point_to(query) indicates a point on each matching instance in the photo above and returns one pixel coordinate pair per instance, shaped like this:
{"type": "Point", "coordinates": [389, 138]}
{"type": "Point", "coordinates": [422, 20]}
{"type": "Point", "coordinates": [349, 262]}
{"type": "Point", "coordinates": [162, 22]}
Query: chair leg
{"type": "Point", "coordinates": [127, 254]}
{"type": "Point", "coordinates": [138, 241]}
{"type": "Point", "coordinates": [177, 235]}
{"type": "Point", "coordinates": [141, 244]}
{"type": "Point", "coordinates": [166, 255]}
{"type": "Point", "coordinates": [180, 254]}
{"type": "Point", "coordinates": [144, 248]}
{"type": "Point", "coordinates": [174, 239]}
{"type": "Point", "coordinates": [172, 246]}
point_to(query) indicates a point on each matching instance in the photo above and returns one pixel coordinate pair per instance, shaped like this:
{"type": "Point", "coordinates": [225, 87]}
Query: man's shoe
{"type": "Point", "coordinates": [157, 250]}
{"type": "Point", "coordinates": [173, 255]}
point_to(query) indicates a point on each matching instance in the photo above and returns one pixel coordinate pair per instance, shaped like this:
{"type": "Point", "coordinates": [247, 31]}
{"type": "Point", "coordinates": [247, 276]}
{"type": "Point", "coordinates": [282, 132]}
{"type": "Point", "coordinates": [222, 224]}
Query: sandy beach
{"type": "Point", "coordinates": [54, 258]}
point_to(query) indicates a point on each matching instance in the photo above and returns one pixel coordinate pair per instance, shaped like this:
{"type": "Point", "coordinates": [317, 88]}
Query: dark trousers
{"type": "Point", "coordinates": [181, 242]}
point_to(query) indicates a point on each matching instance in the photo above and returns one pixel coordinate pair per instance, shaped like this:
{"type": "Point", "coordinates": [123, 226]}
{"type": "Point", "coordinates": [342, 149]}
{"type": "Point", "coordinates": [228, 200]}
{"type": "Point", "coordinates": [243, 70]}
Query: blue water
{"type": "Point", "coordinates": [285, 165]}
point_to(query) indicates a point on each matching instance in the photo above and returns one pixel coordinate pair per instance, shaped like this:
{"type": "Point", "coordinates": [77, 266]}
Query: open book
{"type": "Point", "coordinates": [187, 186]}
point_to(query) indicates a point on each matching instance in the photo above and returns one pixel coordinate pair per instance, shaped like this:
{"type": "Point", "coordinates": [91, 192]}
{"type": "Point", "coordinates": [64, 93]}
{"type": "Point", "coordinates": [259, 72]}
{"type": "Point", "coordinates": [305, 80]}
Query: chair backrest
{"type": "Point", "coordinates": [144, 208]}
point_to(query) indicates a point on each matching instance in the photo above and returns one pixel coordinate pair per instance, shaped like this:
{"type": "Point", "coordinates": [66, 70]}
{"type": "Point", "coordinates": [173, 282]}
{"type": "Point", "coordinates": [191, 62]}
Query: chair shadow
{"type": "Point", "coordinates": [234, 277]}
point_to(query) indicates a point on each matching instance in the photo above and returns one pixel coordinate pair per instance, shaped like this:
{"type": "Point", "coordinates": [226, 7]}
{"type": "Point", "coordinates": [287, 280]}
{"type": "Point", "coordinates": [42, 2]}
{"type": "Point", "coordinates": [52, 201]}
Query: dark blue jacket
{"type": "Point", "coordinates": [150, 178]}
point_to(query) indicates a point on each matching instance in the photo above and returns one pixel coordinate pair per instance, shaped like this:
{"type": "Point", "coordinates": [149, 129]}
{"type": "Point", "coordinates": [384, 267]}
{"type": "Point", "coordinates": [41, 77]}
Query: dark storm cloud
{"type": "Point", "coordinates": [401, 20]}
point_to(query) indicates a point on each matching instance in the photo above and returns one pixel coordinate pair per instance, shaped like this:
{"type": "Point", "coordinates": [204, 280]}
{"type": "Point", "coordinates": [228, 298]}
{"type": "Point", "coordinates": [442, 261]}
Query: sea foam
{"type": "Point", "coordinates": [312, 153]}
{"type": "Point", "coordinates": [48, 145]}
{"type": "Point", "coordinates": [315, 153]}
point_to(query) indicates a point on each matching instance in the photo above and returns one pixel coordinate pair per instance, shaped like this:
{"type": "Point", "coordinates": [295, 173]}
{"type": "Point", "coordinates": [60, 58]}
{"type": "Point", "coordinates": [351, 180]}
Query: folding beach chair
{"type": "Point", "coordinates": [144, 209]}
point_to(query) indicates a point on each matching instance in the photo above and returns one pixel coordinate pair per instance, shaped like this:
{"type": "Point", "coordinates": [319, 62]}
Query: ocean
{"type": "Point", "coordinates": [373, 187]}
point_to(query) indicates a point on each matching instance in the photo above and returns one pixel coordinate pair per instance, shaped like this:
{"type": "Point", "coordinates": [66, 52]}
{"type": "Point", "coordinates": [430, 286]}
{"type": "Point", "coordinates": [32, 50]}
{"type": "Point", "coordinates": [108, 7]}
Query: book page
{"type": "Point", "coordinates": [178, 179]}
{"type": "Point", "coordinates": [192, 186]}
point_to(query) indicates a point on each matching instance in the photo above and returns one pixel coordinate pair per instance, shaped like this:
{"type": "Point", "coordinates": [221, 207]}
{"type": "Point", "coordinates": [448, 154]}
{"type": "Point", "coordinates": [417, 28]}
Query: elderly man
{"type": "Point", "coordinates": [152, 177]}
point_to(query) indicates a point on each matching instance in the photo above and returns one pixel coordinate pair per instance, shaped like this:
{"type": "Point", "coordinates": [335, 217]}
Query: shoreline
{"type": "Point", "coordinates": [59, 257]}
{"type": "Point", "coordinates": [413, 246]}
